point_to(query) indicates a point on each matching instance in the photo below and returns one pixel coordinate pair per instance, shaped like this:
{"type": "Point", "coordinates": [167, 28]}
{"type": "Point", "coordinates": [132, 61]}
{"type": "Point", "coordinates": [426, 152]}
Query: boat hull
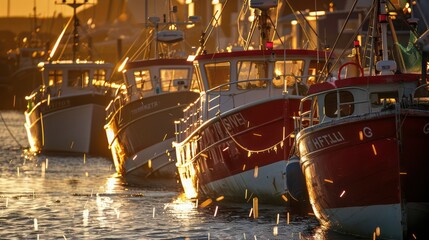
{"type": "Point", "coordinates": [241, 154]}
{"type": "Point", "coordinates": [363, 174]}
{"type": "Point", "coordinates": [140, 137]}
{"type": "Point", "coordinates": [69, 125]}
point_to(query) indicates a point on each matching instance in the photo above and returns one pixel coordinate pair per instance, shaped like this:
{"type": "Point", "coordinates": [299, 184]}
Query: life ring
{"type": "Point", "coordinates": [349, 63]}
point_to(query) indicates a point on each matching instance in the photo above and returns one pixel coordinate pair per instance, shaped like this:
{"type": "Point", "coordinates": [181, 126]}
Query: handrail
{"type": "Point", "coordinates": [208, 105]}
{"type": "Point", "coordinates": [308, 115]}
{"type": "Point", "coordinates": [420, 88]}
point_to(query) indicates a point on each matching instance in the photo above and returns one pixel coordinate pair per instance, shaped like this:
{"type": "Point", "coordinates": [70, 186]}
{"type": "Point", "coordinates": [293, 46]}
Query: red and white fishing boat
{"type": "Point", "coordinates": [234, 141]}
{"type": "Point", "coordinates": [66, 113]}
{"type": "Point", "coordinates": [363, 149]}
{"type": "Point", "coordinates": [140, 120]}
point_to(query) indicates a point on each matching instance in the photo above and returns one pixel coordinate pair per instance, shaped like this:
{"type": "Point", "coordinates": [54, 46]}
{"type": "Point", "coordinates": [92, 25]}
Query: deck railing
{"type": "Point", "coordinates": [228, 96]}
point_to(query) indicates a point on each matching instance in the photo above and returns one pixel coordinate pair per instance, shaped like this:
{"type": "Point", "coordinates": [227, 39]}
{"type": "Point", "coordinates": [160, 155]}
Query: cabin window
{"type": "Point", "coordinates": [383, 99]}
{"type": "Point", "coordinates": [78, 78]}
{"type": "Point", "coordinates": [55, 77]}
{"type": "Point", "coordinates": [287, 71]}
{"type": "Point", "coordinates": [142, 79]}
{"type": "Point", "coordinates": [99, 77]}
{"type": "Point", "coordinates": [218, 74]}
{"type": "Point", "coordinates": [252, 74]}
{"type": "Point", "coordinates": [174, 79]}
{"type": "Point", "coordinates": [345, 107]}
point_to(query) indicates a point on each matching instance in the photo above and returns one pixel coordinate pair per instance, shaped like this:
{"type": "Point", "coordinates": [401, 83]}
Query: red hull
{"type": "Point", "coordinates": [365, 162]}
{"type": "Point", "coordinates": [244, 151]}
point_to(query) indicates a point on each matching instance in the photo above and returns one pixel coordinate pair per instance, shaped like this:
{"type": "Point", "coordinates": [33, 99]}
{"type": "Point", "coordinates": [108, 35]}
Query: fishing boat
{"type": "Point", "coordinates": [233, 143]}
{"type": "Point", "coordinates": [66, 114]}
{"type": "Point", "coordinates": [20, 74]}
{"type": "Point", "coordinates": [363, 143]}
{"type": "Point", "coordinates": [140, 120]}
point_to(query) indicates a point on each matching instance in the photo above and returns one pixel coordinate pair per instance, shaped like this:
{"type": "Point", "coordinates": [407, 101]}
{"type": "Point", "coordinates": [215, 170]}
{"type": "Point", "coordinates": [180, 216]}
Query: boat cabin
{"type": "Point", "coordinates": [150, 77]}
{"type": "Point", "coordinates": [360, 96]}
{"type": "Point", "coordinates": [61, 78]}
{"type": "Point", "coordinates": [247, 76]}
{"type": "Point", "coordinates": [233, 79]}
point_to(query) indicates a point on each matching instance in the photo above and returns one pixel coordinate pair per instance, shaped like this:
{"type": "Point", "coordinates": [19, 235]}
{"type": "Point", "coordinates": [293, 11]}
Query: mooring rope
{"type": "Point", "coordinates": [10, 132]}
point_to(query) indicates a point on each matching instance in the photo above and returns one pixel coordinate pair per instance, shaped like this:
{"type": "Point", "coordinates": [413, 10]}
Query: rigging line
{"type": "Point", "coordinates": [277, 33]}
{"type": "Point", "coordinates": [403, 17]}
{"type": "Point", "coordinates": [65, 46]}
{"type": "Point", "coordinates": [348, 44]}
{"type": "Point", "coordinates": [252, 31]}
{"type": "Point", "coordinates": [133, 44]}
{"type": "Point", "coordinates": [205, 36]}
{"type": "Point", "coordinates": [299, 20]}
{"type": "Point", "coordinates": [240, 35]}
{"type": "Point", "coordinates": [274, 147]}
{"type": "Point", "coordinates": [338, 37]}
{"type": "Point", "coordinates": [57, 42]}
{"type": "Point", "coordinates": [277, 18]}
{"type": "Point", "coordinates": [142, 47]}
{"type": "Point", "coordinates": [10, 132]}
{"type": "Point", "coordinates": [421, 13]}
{"type": "Point", "coordinates": [308, 24]}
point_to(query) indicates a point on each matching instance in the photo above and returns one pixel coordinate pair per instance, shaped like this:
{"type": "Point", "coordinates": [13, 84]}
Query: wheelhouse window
{"type": "Point", "coordinates": [287, 71]}
{"type": "Point", "coordinates": [99, 77]}
{"type": "Point", "coordinates": [142, 80]}
{"type": "Point", "coordinates": [55, 78]}
{"type": "Point", "coordinates": [343, 107]}
{"type": "Point", "coordinates": [383, 99]}
{"type": "Point", "coordinates": [218, 74]}
{"type": "Point", "coordinates": [174, 79]}
{"type": "Point", "coordinates": [252, 74]}
{"type": "Point", "coordinates": [78, 78]}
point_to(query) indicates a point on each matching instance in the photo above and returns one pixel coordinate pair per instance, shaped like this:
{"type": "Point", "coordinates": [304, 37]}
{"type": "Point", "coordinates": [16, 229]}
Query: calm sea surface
{"type": "Point", "coordinates": [48, 197]}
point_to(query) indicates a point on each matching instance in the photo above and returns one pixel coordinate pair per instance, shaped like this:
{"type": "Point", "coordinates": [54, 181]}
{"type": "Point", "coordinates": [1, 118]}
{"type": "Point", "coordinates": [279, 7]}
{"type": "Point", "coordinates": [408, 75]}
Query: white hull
{"type": "Point", "coordinates": [73, 134]}
{"type": "Point", "coordinates": [248, 184]}
{"type": "Point", "coordinates": [68, 130]}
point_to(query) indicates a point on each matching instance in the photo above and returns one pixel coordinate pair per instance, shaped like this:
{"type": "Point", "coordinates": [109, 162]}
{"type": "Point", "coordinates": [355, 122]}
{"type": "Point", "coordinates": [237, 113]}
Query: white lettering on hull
{"type": "Point", "coordinates": [426, 129]}
{"type": "Point", "coordinates": [233, 121]}
{"type": "Point", "coordinates": [145, 107]}
{"type": "Point", "coordinates": [327, 140]}
{"type": "Point", "coordinates": [367, 132]}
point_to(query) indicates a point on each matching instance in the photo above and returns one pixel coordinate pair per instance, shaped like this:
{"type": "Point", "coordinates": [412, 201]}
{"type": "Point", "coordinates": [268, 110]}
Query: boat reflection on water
{"type": "Point", "coordinates": [114, 184]}
{"type": "Point", "coordinates": [182, 207]}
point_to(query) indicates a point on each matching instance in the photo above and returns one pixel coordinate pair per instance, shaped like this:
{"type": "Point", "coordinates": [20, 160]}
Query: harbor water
{"type": "Point", "coordinates": [58, 197]}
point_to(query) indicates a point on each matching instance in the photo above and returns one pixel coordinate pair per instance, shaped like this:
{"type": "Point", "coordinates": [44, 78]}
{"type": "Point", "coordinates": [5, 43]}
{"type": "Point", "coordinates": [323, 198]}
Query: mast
{"type": "Point", "coordinates": [76, 24]}
{"type": "Point", "coordinates": [382, 18]}
{"type": "Point", "coordinates": [384, 66]}
{"type": "Point", "coordinates": [264, 6]}
{"type": "Point", "coordinates": [34, 41]}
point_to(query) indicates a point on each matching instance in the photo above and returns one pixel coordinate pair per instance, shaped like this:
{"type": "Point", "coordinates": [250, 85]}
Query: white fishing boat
{"type": "Point", "coordinates": [66, 114]}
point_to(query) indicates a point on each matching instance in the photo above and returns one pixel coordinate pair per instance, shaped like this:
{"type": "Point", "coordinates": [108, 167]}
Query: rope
{"type": "Point", "coordinates": [10, 132]}
{"type": "Point", "coordinates": [274, 147]}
